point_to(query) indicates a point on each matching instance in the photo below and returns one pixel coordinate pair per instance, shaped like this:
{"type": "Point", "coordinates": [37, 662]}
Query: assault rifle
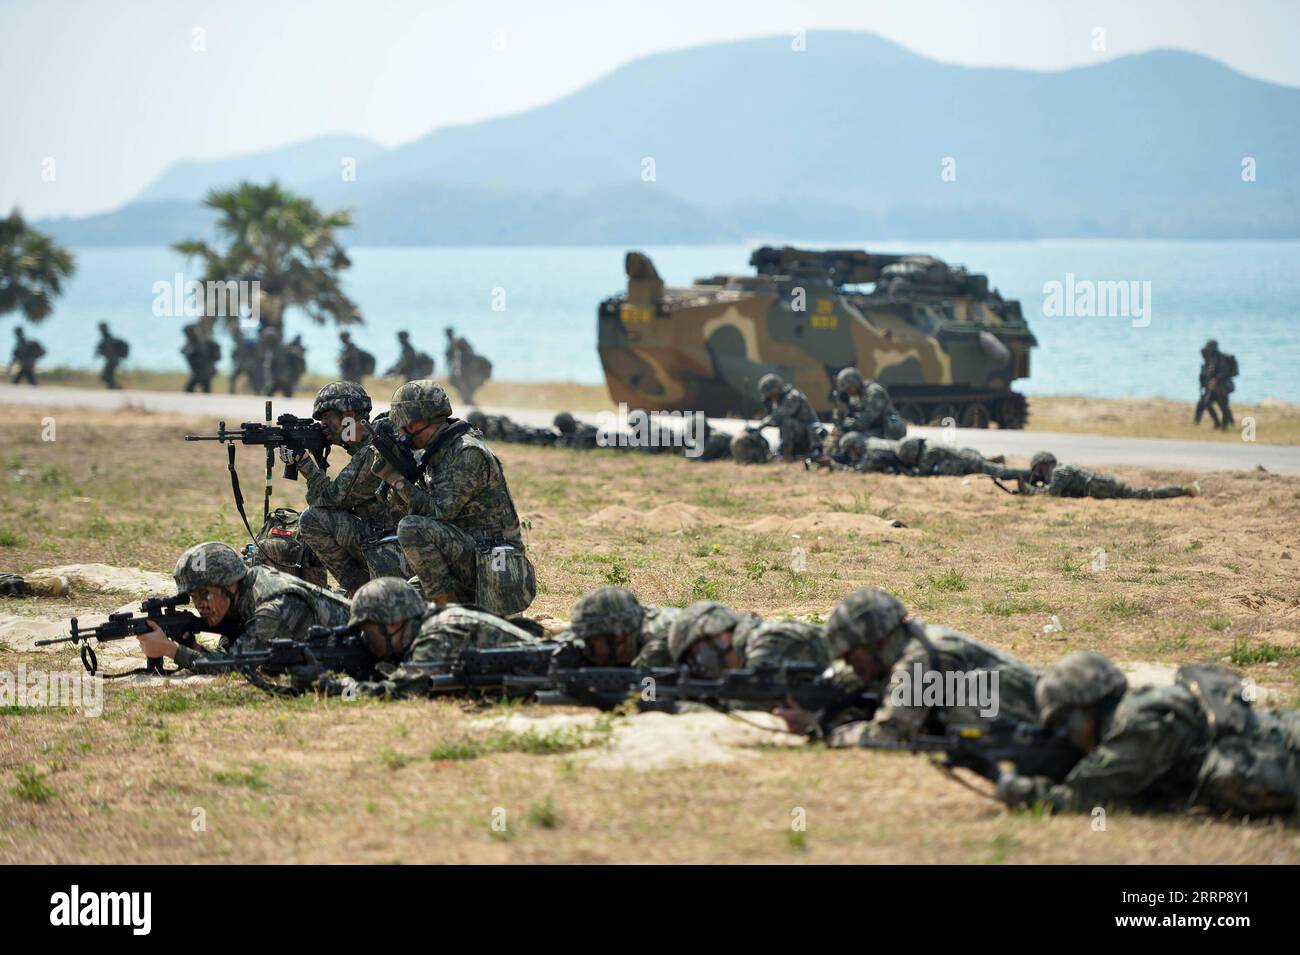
{"type": "Point", "coordinates": [326, 649]}
{"type": "Point", "coordinates": [180, 625]}
{"type": "Point", "coordinates": [298, 434]}
{"type": "Point", "coordinates": [983, 749]}
{"type": "Point", "coordinates": [393, 449]}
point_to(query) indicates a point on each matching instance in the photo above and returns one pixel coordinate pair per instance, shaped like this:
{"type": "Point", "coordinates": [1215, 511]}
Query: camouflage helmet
{"type": "Point", "coordinates": [565, 423]}
{"type": "Point", "coordinates": [704, 618]}
{"type": "Point", "coordinates": [770, 383]}
{"type": "Point", "coordinates": [422, 400]}
{"type": "Point", "coordinates": [750, 447]}
{"type": "Point", "coordinates": [1081, 679]}
{"type": "Point", "coordinates": [853, 442]}
{"type": "Point", "coordinates": [606, 610]}
{"type": "Point", "coordinates": [477, 420]}
{"type": "Point", "coordinates": [208, 564]}
{"type": "Point", "coordinates": [341, 396]}
{"type": "Point", "coordinates": [865, 618]}
{"type": "Point", "coordinates": [1045, 460]}
{"type": "Point", "coordinates": [849, 377]}
{"type": "Point", "coordinates": [909, 450]}
{"type": "Point", "coordinates": [386, 600]}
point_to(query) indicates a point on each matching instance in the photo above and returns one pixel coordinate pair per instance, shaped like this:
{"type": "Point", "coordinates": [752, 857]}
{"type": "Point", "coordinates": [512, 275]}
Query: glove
{"type": "Point", "coordinates": [304, 675]}
{"type": "Point", "coordinates": [289, 456]}
{"type": "Point", "coordinates": [1017, 790]}
{"type": "Point", "coordinates": [385, 471]}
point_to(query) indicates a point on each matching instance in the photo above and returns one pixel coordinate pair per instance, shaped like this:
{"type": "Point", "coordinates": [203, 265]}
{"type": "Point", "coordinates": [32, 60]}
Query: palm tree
{"type": "Point", "coordinates": [286, 245]}
{"type": "Point", "coordinates": [32, 269]}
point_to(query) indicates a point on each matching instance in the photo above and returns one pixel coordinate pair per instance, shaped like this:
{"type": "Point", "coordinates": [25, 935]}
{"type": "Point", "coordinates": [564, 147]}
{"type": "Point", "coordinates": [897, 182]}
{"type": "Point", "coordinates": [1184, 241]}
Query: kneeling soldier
{"type": "Point", "coordinates": [346, 525]}
{"type": "Point", "coordinates": [461, 534]}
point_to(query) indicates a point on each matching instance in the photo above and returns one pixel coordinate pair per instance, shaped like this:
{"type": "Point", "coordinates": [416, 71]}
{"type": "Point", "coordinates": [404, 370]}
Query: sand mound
{"type": "Point", "coordinates": [19, 633]}
{"type": "Point", "coordinates": [828, 522]}
{"type": "Point", "coordinates": [654, 741]}
{"type": "Point", "coordinates": [550, 625]}
{"type": "Point", "coordinates": [102, 577]}
{"type": "Point", "coordinates": [674, 516]}
{"type": "Point", "coordinates": [1263, 603]}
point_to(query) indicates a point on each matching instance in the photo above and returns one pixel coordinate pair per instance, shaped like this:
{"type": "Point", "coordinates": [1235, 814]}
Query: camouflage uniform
{"type": "Point", "coordinates": [267, 605]}
{"type": "Point", "coordinates": [347, 525]}
{"type": "Point", "coordinates": [1070, 480]}
{"type": "Point", "coordinates": [750, 447]}
{"type": "Point", "coordinates": [856, 452]}
{"type": "Point", "coordinates": [939, 458]}
{"type": "Point", "coordinates": [461, 534]}
{"type": "Point", "coordinates": [243, 361]}
{"type": "Point", "coordinates": [14, 585]}
{"type": "Point", "coordinates": [790, 413]}
{"type": "Point", "coordinates": [571, 433]}
{"type": "Point", "coordinates": [466, 369]}
{"type": "Point", "coordinates": [1217, 372]}
{"type": "Point", "coordinates": [26, 352]}
{"type": "Point", "coordinates": [1197, 742]}
{"type": "Point", "coordinates": [112, 350]}
{"type": "Point", "coordinates": [909, 649]}
{"type": "Point", "coordinates": [864, 406]}
{"type": "Point", "coordinates": [439, 634]}
{"type": "Point", "coordinates": [615, 611]}
{"type": "Point", "coordinates": [353, 361]}
{"type": "Point", "coordinates": [756, 642]}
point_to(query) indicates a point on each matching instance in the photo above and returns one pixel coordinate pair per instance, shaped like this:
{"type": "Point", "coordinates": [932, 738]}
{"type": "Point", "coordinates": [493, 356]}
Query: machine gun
{"type": "Point", "coordinates": [180, 625]}
{"type": "Point", "coordinates": [393, 449]}
{"type": "Point", "coordinates": [983, 749]}
{"type": "Point", "coordinates": [664, 688]}
{"type": "Point", "coordinates": [298, 434]}
{"type": "Point", "coordinates": [325, 649]}
{"type": "Point", "coordinates": [493, 668]}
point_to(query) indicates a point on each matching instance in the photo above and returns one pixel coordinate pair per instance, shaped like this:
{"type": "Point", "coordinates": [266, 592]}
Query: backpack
{"type": "Point", "coordinates": [367, 363]}
{"type": "Point", "coordinates": [121, 348]}
{"type": "Point", "coordinates": [1229, 365]}
{"type": "Point", "coordinates": [1249, 768]}
{"type": "Point", "coordinates": [280, 546]}
{"type": "Point", "coordinates": [423, 366]}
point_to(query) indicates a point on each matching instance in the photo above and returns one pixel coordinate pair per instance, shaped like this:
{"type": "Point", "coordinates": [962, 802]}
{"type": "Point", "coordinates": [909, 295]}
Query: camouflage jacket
{"type": "Point", "coordinates": [791, 406]}
{"type": "Point", "coordinates": [462, 483]}
{"type": "Point", "coordinates": [352, 363]}
{"type": "Point", "coordinates": [940, 458]}
{"type": "Point", "coordinates": [270, 605]}
{"type": "Point", "coordinates": [1070, 480]}
{"type": "Point", "coordinates": [355, 489]}
{"type": "Point", "coordinates": [652, 641]}
{"type": "Point", "coordinates": [27, 351]}
{"type": "Point", "coordinates": [1159, 750]}
{"type": "Point", "coordinates": [442, 634]}
{"type": "Point", "coordinates": [903, 714]}
{"type": "Point", "coordinates": [861, 412]}
{"type": "Point", "coordinates": [881, 455]}
{"type": "Point", "coordinates": [780, 640]}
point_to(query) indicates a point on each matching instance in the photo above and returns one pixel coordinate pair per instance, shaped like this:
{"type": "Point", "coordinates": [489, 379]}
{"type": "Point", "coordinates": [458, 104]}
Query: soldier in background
{"type": "Point", "coordinates": [1197, 742]}
{"type": "Point", "coordinates": [466, 369]}
{"type": "Point", "coordinates": [410, 364]}
{"type": "Point", "coordinates": [26, 352]}
{"type": "Point", "coordinates": [202, 354]}
{"type": "Point", "coordinates": [790, 413]}
{"type": "Point", "coordinates": [295, 365]}
{"type": "Point", "coordinates": [1217, 371]}
{"type": "Point", "coordinates": [1045, 476]}
{"type": "Point", "coordinates": [15, 585]}
{"type": "Point", "coordinates": [243, 361]}
{"type": "Point", "coordinates": [113, 351]}
{"type": "Point", "coordinates": [354, 362]}
{"type": "Point", "coordinates": [461, 531]}
{"type": "Point", "coordinates": [856, 452]}
{"type": "Point", "coordinates": [937, 458]}
{"type": "Point", "coordinates": [572, 433]}
{"type": "Point", "coordinates": [864, 406]}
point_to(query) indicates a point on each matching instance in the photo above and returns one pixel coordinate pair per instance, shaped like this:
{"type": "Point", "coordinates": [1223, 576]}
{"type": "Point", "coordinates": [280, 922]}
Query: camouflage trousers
{"type": "Point", "coordinates": [25, 373]}
{"type": "Point", "coordinates": [1105, 486]}
{"type": "Point", "coordinates": [351, 548]}
{"type": "Point", "coordinates": [451, 563]}
{"type": "Point", "coordinates": [11, 585]}
{"type": "Point", "coordinates": [796, 439]}
{"type": "Point", "coordinates": [109, 375]}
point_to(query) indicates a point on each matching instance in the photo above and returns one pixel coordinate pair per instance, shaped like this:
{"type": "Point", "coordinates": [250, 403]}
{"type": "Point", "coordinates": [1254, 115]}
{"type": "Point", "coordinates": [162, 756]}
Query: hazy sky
{"type": "Point", "coordinates": [116, 91]}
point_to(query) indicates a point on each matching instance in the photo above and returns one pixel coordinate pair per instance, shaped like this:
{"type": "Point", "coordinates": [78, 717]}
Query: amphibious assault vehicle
{"type": "Point", "coordinates": [942, 342]}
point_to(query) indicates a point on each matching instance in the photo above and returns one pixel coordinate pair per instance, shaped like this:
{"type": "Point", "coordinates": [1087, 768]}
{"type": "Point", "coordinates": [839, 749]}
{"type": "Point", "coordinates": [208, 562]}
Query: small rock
{"type": "Point", "coordinates": [1286, 555]}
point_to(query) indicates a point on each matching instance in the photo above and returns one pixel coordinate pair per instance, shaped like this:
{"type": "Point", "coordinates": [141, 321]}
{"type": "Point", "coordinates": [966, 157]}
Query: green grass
{"type": "Point", "coordinates": [543, 814]}
{"type": "Point", "coordinates": [950, 581]}
{"type": "Point", "coordinates": [253, 778]}
{"type": "Point", "coordinates": [32, 785]}
{"type": "Point", "coordinates": [1124, 608]}
{"type": "Point", "coordinates": [563, 740]}
{"type": "Point", "coordinates": [1243, 654]}
{"type": "Point", "coordinates": [9, 539]}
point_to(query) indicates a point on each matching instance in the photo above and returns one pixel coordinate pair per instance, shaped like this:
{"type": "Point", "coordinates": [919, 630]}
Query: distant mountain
{"type": "Point", "coordinates": [297, 166]}
{"type": "Point", "coordinates": [846, 139]}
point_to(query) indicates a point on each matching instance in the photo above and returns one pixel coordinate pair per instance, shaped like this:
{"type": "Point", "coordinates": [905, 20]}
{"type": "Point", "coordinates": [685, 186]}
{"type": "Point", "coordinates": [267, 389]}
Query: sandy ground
{"type": "Point", "coordinates": [208, 770]}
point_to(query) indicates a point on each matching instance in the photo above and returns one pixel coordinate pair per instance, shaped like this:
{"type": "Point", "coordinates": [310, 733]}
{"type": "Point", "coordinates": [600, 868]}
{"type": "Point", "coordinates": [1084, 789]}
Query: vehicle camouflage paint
{"type": "Point", "coordinates": [935, 335]}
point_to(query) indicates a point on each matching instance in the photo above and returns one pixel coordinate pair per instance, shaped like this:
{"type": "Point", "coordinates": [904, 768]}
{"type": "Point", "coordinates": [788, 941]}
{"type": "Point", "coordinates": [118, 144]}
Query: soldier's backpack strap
{"type": "Point", "coordinates": [1221, 696]}
{"type": "Point", "coordinates": [454, 429]}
